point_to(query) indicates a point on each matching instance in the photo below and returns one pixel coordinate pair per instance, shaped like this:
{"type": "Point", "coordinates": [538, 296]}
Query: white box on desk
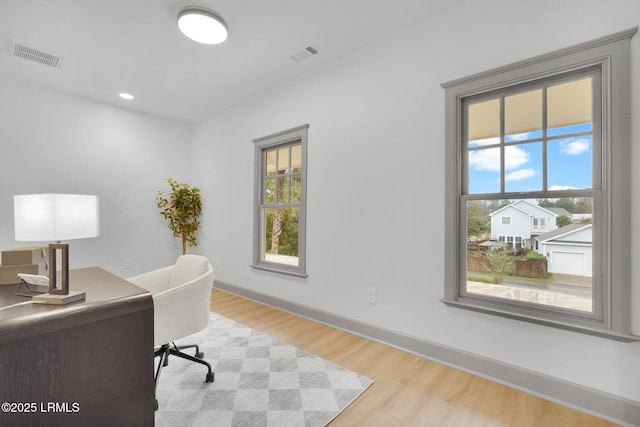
{"type": "Point", "coordinates": [9, 273]}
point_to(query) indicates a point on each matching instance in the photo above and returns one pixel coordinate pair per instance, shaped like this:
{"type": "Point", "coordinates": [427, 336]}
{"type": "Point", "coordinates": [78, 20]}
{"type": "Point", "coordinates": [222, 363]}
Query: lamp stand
{"type": "Point", "coordinates": [59, 293]}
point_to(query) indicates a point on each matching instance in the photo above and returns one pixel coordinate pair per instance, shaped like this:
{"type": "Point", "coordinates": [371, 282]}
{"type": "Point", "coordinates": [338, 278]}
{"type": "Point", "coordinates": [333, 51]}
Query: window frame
{"type": "Point", "coordinates": [612, 271]}
{"type": "Point", "coordinates": [287, 138]}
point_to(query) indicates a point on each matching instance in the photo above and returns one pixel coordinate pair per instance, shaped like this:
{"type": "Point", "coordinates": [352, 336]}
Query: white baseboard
{"type": "Point", "coordinates": [601, 404]}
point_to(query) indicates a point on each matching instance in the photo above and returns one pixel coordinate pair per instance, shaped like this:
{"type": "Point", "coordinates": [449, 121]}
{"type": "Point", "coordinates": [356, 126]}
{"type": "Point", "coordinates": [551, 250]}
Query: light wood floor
{"type": "Point", "coordinates": [408, 390]}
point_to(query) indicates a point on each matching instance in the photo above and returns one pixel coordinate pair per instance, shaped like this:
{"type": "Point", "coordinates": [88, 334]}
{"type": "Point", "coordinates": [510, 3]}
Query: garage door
{"type": "Point", "coordinates": [568, 263]}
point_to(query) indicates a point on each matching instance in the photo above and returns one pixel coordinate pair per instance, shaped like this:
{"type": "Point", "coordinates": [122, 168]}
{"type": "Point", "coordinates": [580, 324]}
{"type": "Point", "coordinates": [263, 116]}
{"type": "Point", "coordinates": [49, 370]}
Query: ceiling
{"type": "Point", "coordinates": [134, 46]}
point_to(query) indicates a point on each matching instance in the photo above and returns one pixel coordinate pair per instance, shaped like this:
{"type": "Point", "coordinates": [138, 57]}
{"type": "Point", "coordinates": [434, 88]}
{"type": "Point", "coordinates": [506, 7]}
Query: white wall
{"type": "Point", "coordinates": [50, 142]}
{"type": "Point", "coordinates": [375, 183]}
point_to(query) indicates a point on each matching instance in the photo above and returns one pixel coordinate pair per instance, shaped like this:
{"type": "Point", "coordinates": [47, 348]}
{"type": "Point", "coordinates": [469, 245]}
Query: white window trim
{"type": "Point", "coordinates": [612, 54]}
{"type": "Point", "coordinates": [298, 133]}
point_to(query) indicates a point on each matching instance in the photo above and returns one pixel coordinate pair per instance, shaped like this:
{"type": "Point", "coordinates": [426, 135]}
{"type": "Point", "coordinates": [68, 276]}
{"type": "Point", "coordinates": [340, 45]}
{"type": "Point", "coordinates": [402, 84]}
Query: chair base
{"type": "Point", "coordinates": [171, 349]}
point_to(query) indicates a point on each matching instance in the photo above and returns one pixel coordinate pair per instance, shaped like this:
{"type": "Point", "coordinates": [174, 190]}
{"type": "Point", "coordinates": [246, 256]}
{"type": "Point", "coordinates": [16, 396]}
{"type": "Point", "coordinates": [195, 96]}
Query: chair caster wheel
{"type": "Point", "coordinates": [210, 377]}
{"type": "Point", "coordinates": [156, 404]}
{"type": "Point", "coordinates": [199, 355]}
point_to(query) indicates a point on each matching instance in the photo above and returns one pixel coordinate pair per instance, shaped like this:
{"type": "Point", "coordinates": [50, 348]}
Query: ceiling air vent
{"type": "Point", "coordinates": [304, 53]}
{"type": "Point", "coordinates": [22, 51]}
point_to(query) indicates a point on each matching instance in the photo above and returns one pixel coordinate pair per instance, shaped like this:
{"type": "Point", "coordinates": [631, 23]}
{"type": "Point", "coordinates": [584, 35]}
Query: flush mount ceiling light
{"type": "Point", "coordinates": [202, 25]}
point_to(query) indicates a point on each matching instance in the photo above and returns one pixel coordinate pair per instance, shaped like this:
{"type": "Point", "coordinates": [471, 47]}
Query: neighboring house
{"type": "Point", "coordinates": [581, 218]}
{"type": "Point", "coordinates": [520, 222]}
{"type": "Point", "coordinates": [576, 218]}
{"type": "Point", "coordinates": [569, 250]}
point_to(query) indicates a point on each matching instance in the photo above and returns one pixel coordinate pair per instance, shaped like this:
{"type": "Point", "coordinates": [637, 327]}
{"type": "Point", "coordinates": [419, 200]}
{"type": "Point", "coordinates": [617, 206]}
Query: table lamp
{"type": "Point", "coordinates": [54, 218]}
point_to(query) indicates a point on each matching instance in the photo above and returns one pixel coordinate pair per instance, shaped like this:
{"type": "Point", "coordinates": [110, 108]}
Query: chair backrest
{"type": "Point", "coordinates": [187, 268]}
{"type": "Point", "coordinates": [184, 308]}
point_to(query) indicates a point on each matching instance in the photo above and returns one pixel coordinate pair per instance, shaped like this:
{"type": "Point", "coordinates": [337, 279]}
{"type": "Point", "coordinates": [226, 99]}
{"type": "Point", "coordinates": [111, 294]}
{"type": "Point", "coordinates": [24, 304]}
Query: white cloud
{"type": "Point", "coordinates": [489, 159]}
{"type": "Point", "coordinates": [520, 174]}
{"type": "Point", "coordinates": [575, 147]}
{"type": "Point", "coordinates": [563, 187]}
{"type": "Point", "coordinates": [521, 136]}
{"type": "Point", "coordinates": [514, 157]}
{"type": "Point", "coordinates": [485, 160]}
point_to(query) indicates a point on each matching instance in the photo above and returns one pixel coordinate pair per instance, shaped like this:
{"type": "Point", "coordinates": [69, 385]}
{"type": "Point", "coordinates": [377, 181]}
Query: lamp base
{"type": "Point", "coordinates": [56, 299]}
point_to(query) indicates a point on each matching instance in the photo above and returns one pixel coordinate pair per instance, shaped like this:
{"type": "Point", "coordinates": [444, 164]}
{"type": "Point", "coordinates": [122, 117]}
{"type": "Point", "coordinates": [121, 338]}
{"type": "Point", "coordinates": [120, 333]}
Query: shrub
{"type": "Point", "coordinates": [501, 264]}
{"type": "Point", "coordinates": [532, 256]}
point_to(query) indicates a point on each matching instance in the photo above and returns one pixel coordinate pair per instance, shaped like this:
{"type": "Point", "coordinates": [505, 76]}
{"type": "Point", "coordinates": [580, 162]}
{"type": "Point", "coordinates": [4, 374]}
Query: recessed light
{"type": "Point", "coordinates": [126, 96]}
{"type": "Point", "coordinates": [202, 25]}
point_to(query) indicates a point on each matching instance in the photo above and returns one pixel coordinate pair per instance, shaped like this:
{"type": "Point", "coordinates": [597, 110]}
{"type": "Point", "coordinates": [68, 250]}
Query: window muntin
{"type": "Point", "coordinates": [280, 219]}
{"type": "Point", "coordinates": [480, 161]}
{"type": "Point", "coordinates": [520, 140]}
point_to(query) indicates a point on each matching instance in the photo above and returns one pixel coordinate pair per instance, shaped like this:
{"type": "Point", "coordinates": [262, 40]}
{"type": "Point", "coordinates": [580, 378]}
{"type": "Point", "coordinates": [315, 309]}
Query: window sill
{"type": "Point", "coordinates": [274, 268]}
{"type": "Point", "coordinates": [585, 329]}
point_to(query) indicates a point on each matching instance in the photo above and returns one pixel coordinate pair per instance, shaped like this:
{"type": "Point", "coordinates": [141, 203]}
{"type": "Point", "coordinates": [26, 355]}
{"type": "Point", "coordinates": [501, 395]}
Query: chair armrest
{"type": "Point", "coordinates": [155, 281]}
{"type": "Point", "coordinates": [182, 310]}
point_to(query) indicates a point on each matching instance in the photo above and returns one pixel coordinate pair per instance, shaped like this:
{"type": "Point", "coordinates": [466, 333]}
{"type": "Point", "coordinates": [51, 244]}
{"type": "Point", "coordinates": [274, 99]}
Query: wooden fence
{"type": "Point", "coordinates": [523, 268]}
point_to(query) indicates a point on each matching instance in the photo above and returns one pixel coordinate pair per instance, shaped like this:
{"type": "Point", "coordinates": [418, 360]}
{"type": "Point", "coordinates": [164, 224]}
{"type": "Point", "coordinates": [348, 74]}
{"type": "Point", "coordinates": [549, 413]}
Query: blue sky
{"type": "Point", "coordinates": [568, 161]}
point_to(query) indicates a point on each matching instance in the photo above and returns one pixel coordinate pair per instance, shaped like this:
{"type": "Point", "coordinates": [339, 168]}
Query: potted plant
{"type": "Point", "coordinates": [182, 209]}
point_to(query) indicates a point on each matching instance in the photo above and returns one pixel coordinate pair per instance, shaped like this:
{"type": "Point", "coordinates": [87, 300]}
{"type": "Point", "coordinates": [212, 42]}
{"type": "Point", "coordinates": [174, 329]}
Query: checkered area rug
{"type": "Point", "coordinates": [259, 381]}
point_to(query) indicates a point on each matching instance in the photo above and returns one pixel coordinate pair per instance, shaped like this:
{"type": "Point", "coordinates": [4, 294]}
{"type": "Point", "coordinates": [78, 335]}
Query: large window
{"type": "Point", "coordinates": [280, 202]}
{"type": "Point", "coordinates": [539, 151]}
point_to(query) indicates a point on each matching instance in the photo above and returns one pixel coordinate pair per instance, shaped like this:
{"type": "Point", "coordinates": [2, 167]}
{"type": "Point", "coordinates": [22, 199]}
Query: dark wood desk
{"type": "Point", "coordinates": [89, 363]}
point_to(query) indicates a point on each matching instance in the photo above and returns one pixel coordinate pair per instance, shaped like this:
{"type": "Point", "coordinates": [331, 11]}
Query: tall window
{"type": "Point", "coordinates": [543, 144]}
{"type": "Point", "coordinates": [280, 202]}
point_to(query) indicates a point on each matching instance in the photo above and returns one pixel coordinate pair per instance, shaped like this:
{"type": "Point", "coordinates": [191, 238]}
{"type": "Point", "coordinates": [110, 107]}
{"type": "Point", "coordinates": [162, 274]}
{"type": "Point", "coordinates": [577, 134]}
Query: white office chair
{"type": "Point", "coordinates": [181, 299]}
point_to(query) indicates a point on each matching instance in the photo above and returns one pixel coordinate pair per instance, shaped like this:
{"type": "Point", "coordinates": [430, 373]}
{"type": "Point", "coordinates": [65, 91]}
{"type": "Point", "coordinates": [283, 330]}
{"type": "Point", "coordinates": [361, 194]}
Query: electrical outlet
{"type": "Point", "coordinates": [372, 295]}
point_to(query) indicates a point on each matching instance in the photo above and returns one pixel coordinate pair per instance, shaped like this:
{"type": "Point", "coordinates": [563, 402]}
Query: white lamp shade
{"type": "Point", "coordinates": [55, 217]}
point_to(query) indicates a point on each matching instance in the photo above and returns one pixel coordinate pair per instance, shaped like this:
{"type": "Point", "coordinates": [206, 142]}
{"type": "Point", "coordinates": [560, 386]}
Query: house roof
{"type": "Point", "coordinates": [560, 211]}
{"type": "Point", "coordinates": [562, 231]}
{"type": "Point", "coordinates": [515, 206]}
{"type": "Point", "coordinates": [512, 206]}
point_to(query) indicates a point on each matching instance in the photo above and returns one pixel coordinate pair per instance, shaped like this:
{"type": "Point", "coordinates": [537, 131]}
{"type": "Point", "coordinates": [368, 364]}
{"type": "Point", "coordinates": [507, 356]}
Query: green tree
{"type": "Point", "coordinates": [281, 226]}
{"type": "Point", "coordinates": [500, 264]}
{"type": "Point", "coordinates": [583, 205]}
{"type": "Point", "coordinates": [494, 205]}
{"type": "Point", "coordinates": [287, 231]}
{"type": "Point", "coordinates": [182, 209]}
{"type": "Point", "coordinates": [565, 203]}
{"type": "Point", "coordinates": [563, 220]}
{"type": "Point", "coordinates": [478, 220]}
{"type": "Point", "coordinates": [546, 203]}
